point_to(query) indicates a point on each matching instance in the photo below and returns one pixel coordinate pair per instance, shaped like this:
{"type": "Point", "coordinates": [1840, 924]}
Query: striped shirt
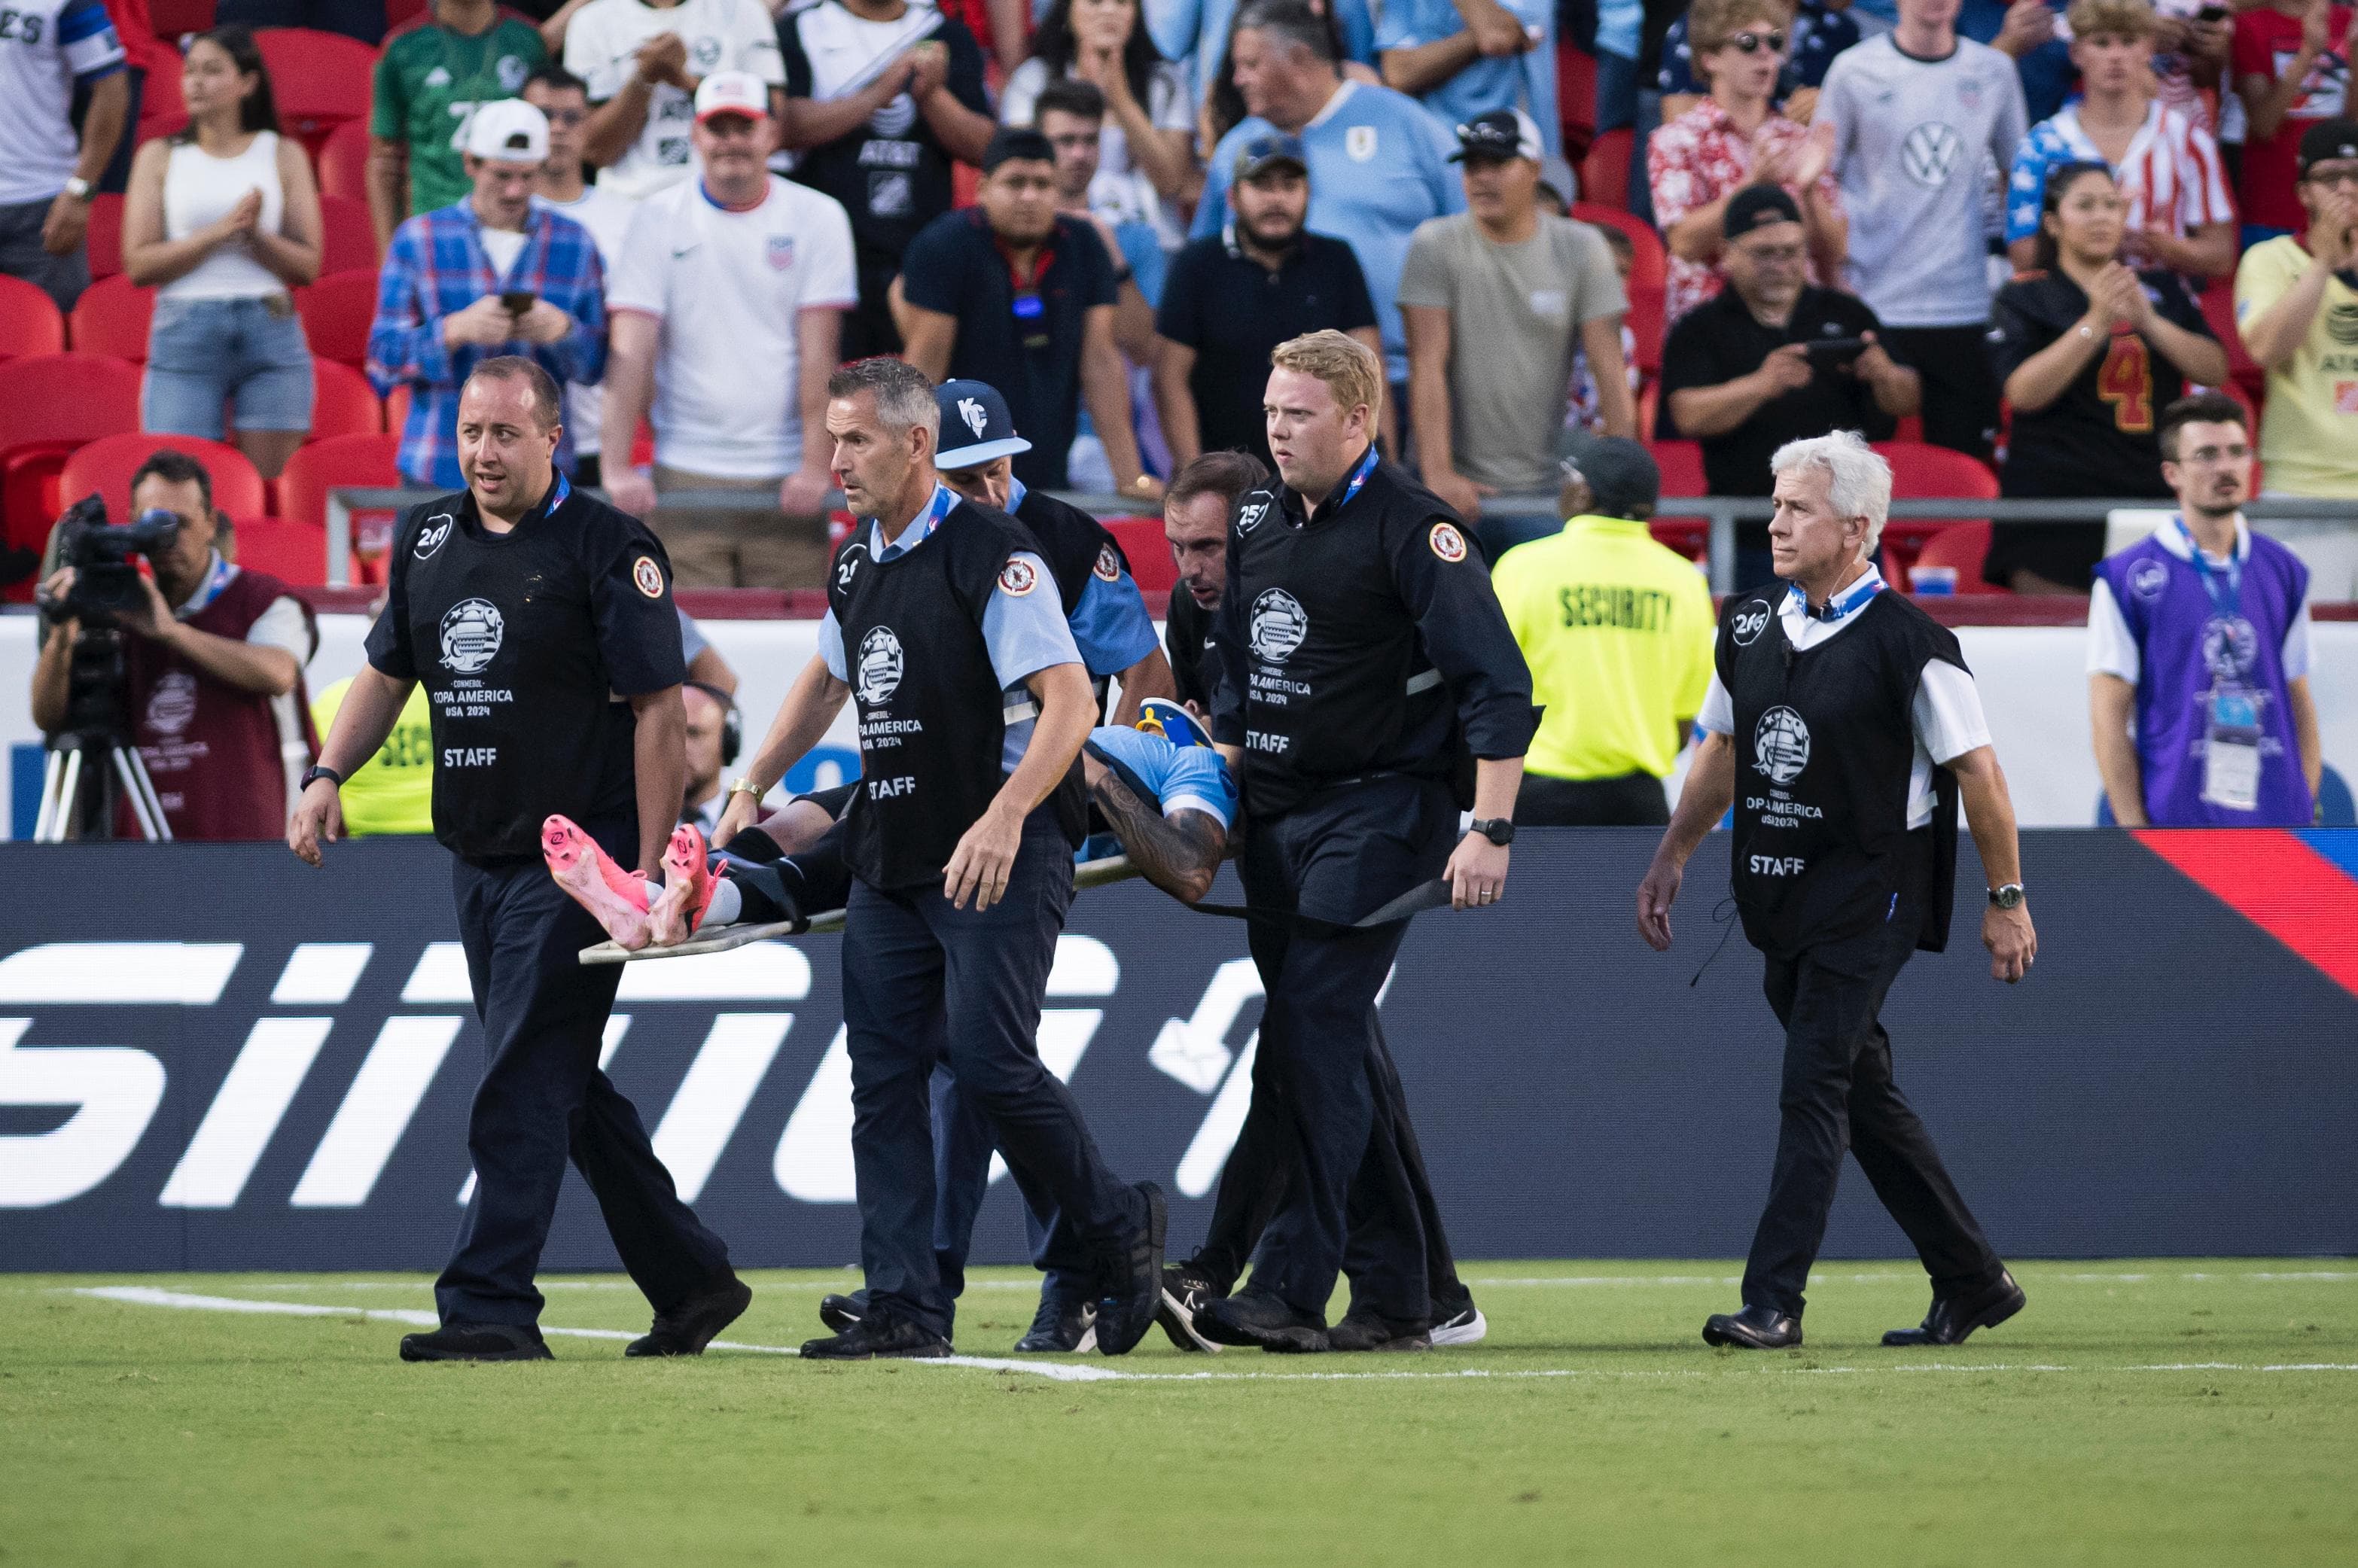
{"type": "Point", "coordinates": [2171, 170]}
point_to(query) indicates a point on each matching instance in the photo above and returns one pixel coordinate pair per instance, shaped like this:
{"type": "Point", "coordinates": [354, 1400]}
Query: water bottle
{"type": "Point", "coordinates": [1940, 580]}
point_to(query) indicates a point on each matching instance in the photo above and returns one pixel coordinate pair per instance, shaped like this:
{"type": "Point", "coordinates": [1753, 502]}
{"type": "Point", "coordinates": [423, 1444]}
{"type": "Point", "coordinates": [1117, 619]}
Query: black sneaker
{"type": "Point", "coordinates": [1249, 1318]}
{"type": "Point", "coordinates": [1368, 1331]}
{"type": "Point", "coordinates": [477, 1342]}
{"type": "Point", "coordinates": [1134, 1288]}
{"type": "Point", "coordinates": [880, 1334]}
{"type": "Point", "coordinates": [1461, 1325]}
{"type": "Point", "coordinates": [842, 1313]}
{"type": "Point", "coordinates": [1186, 1291]}
{"type": "Point", "coordinates": [688, 1327]}
{"type": "Point", "coordinates": [1061, 1326]}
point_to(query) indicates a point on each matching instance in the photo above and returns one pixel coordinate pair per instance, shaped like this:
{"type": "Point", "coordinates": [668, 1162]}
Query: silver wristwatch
{"type": "Point", "coordinates": [2007, 897]}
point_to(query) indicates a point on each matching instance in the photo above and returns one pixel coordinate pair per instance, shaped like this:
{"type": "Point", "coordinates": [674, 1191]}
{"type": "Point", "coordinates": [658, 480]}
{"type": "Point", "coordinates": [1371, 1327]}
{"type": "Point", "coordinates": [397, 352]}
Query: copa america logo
{"type": "Point", "coordinates": [1279, 625]}
{"type": "Point", "coordinates": [1780, 745]}
{"type": "Point", "coordinates": [473, 630]}
{"type": "Point", "coordinates": [880, 666]}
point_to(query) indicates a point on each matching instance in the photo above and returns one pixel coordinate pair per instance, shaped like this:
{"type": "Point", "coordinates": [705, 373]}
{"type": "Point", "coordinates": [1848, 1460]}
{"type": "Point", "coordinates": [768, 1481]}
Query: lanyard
{"type": "Point", "coordinates": [923, 526]}
{"type": "Point", "coordinates": [1358, 476]}
{"type": "Point", "coordinates": [2225, 588]}
{"type": "Point", "coordinates": [1858, 593]}
{"type": "Point", "coordinates": [215, 580]}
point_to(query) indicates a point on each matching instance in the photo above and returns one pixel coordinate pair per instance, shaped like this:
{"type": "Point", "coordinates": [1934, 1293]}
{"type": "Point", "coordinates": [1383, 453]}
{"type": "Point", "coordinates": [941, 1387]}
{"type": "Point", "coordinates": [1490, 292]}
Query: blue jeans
{"type": "Point", "coordinates": [203, 353]}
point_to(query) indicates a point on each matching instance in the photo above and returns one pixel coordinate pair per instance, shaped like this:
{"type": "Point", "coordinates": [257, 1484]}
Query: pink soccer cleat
{"type": "Point", "coordinates": [617, 898]}
{"type": "Point", "coordinates": [677, 911]}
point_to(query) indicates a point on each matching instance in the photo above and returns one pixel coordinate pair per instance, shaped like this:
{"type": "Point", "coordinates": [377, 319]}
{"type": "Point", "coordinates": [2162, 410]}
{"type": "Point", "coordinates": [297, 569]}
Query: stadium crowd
{"type": "Point", "coordinates": [1997, 239]}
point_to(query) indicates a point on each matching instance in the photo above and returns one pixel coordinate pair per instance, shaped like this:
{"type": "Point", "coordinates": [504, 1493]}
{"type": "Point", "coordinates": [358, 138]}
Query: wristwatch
{"type": "Point", "coordinates": [2007, 897]}
{"type": "Point", "coordinates": [1500, 830]}
{"type": "Point", "coordinates": [78, 187]}
{"type": "Point", "coordinates": [312, 775]}
{"type": "Point", "coordinates": [741, 784]}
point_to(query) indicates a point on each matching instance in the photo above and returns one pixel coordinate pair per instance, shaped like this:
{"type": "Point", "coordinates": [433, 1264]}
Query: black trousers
{"type": "Point", "coordinates": [1838, 1093]}
{"type": "Point", "coordinates": [543, 1100]}
{"type": "Point", "coordinates": [924, 983]}
{"type": "Point", "coordinates": [1337, 856]}
{"type": "Point", "coordinates": [1960, 390]}
{"type": "Point", "coordinates": [1632, 800]}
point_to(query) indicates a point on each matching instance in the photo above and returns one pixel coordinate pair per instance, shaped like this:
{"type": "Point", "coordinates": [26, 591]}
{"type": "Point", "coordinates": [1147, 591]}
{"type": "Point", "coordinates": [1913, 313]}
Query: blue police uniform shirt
{"type": "Point", "coordinates": [1180, 778]}
{"type": "Point", "coordinates": [1025, 633]}
{"type": "Point", "coordinates": [1110, 625]}
{"type": "Point", "coordinates": [1379, 167]}
{"type": "Point", "coordinates": [1526, 81]}
{"type": "Point", "coordinates": [1195, 33]}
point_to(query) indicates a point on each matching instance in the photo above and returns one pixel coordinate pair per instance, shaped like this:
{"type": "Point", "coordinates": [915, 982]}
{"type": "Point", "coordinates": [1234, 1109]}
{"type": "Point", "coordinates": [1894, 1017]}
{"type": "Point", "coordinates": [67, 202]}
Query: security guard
{"type": "Point", "coordinates": [393, 791]}
{"type": "Point", "coordinates": [524, 608]}
{"type": "Point", "coordinates": [1617, 631]}
{"type": "Point", "coordinates": [1850, 720]}
{"type": "Point", "coordinates": [943, 621]}
{"type": "Point", "coordinates": [1371, 687]}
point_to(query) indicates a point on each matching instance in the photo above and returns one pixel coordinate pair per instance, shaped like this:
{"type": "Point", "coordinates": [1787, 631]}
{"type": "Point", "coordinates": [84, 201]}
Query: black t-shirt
{"type": "Point", "coordinates": [2097, 439]}
{"type": "Point", "coordinates": [526, 641]}
{"type": "Point", "coordinates": [892, 174]}
{"type": "Point", "coordinates": [1232, 311]}
{"type": "Point", "coordinates": [956, 266]}
{"type": "Point", "coordinates": [1721, 339]}
{"type": "Point", "coordinates": [1189, 642]}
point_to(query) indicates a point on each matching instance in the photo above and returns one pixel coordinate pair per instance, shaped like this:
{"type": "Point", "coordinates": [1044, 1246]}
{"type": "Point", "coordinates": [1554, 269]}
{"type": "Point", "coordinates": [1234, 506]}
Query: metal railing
{"type": "Point", "coordinates": [1720, 513]}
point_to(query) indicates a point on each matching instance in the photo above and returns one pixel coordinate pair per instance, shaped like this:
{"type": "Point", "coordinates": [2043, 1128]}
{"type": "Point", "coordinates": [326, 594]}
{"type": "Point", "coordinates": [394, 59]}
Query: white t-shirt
{"type": "Point", "coordinates": [502, 245]}
{"type": "Point", "coordinates": [2112, 649]}
{"type": "Point", "coordinates": [47, 48]}
{"type": "Point", "coordinates": [1946, 716]}
{"type": "Point", "coordinates": [600, 48]}
{"type": "Point", "coordinates": [1120, 193]}
{"type": "Point", "coordinates": [727, 288]}
{"type": "Point", "coordinates": [608, 217]}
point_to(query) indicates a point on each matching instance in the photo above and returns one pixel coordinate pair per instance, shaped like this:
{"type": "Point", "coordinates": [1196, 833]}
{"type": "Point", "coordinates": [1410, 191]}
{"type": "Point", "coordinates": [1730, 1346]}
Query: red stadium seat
{"type": "Point", "coordinates": [1605, 170]}
{"type": "Point", "coordinates": [112, 318]}
{"type": "Point", "coordinates": [342, 402]}
{"type": "Point", "coordinates": [1924, 472]}
{"type": "Point", "coordinates": [2219, 314]}
{"type": "Point", "coordinates": [323, 465]}
{"type": "Point", "coordinates": [1681, 465]}
{"type": "Point", "coordinates": [29, 322]}
{"type": "Point", "coordinates": [1964, 546]}
{"type": "Point", "coordinates": [400, 13]}
{"type": "Point", "coordinates": [343, 162]}
{"type": "Point", "coordinates": [107, 464]}
{"type": "Point", "coordinates": [1651, 267]}
{"type": "Point", "coordinates": [162, 112]}
{"type": "Point", "coordinates": [294, 552]}
{"type": "Point", "coordinates": [49, 405]}
{"type": "Point", "coordinates": [1645, 323]}
{"type": "Point", "coordinates": [170, 18]}
{"type": "Point", "coordinates": [1575, 96]}
{"type": "Point", "coordinates": [320, 80]}
{"type": "Point", "coordinates": [1142, 540]}
{"type": "Point", "coordinates": [347, 236]}
{"type": "Point", "coordinates": [104, 238]}
{"type": "Point", "coordinates": [336, 313]}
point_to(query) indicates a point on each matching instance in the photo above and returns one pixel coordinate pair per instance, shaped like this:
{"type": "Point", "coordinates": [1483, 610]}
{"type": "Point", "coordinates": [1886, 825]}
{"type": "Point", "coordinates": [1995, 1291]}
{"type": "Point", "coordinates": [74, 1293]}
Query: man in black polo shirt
{"type": "Point", "coordinates": [1772, 360]}
{"type": "Point", "coordinates": [1231, 298]}
{"type": "Point", "coordinates": [1012, 292]}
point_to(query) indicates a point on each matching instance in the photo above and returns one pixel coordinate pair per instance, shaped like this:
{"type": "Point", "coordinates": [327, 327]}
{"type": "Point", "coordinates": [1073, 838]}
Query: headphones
{"type": "Point", "coordinates": [733, 723]}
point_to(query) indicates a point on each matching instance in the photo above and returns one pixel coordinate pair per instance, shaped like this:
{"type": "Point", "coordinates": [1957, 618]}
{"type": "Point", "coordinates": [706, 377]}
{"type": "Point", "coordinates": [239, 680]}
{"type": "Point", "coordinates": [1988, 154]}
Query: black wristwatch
{"type": "Point", "coordinates": [2007, 897]}
{"type": "Point", "coordinates": [1500, 830]}
{"type": "Point", "coordinates": [313, 774]}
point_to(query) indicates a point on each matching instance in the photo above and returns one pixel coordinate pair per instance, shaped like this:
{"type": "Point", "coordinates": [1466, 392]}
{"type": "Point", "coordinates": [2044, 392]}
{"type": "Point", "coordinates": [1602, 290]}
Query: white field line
{"type": "Point", "coordinates": [1090, 1372]}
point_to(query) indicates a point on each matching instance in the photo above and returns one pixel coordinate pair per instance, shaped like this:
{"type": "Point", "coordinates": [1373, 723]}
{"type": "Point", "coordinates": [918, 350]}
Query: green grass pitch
{"type": "Point", "coordinates": [2138, 1412]}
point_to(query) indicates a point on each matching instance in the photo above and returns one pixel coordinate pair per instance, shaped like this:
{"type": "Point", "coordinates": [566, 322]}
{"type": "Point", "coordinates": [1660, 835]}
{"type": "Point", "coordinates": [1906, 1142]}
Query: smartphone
{"type": "Point", "coordinates": [1836, 350]}
{"type": "Point", "coordinates": [516, 301]}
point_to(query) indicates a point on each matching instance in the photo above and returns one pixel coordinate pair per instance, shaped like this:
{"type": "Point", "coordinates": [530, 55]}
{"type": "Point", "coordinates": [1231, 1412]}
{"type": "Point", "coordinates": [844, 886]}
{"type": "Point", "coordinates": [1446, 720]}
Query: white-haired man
{"type": "Point", "coordinates": [1849, 717]}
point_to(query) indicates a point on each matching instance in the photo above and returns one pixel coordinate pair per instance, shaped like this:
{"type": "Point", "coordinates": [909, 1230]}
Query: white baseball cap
{"type": "Point", "coordinates": [732, 92]}
{"type": "Point", "coordinates": [508, 130]}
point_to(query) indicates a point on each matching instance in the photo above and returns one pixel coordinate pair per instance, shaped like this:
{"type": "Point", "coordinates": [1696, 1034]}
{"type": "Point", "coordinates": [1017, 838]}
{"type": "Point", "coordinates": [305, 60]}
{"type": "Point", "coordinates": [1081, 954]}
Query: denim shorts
{"type": "Point", "coordinates": [204, 353]}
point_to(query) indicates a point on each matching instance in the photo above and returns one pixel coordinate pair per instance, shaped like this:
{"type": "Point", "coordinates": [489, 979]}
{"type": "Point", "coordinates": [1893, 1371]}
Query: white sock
{"type": "Point", "coordinates": [727, 906]}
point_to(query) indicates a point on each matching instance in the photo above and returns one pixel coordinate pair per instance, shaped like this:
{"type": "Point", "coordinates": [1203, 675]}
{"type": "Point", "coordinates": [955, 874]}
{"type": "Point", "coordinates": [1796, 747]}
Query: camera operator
{"type": "Point", "coordinates": [212, 668]}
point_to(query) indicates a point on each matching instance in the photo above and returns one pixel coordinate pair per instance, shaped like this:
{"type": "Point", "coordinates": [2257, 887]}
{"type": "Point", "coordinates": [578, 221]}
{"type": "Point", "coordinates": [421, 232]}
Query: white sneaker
{"type": "Point", "coordinates": [1468, 1327]}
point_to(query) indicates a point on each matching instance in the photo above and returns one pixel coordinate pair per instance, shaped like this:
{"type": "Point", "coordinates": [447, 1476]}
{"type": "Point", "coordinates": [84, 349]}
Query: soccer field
{"type": "Point", "coordinates": [2174, 1411]}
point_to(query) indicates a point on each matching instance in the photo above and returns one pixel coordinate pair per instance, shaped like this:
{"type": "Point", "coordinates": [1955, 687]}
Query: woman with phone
{"type": "Point", "coordinates": [223, 221]}
{"type": "Point", "coordinates": [2090, 351]}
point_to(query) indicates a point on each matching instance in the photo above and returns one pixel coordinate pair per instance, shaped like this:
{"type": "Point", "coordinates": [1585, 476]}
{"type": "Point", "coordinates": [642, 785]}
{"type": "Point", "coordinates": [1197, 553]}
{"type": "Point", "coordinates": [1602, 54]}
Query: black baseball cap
{"type": "Point", "coordinates": [1016, 142]}
{"type": "Point", "coordinates": [1500, 134]}
{"type": "Point", "coordinates": [1755, 206]}
{"type": "Point", "coordinates": [1622, 478]}
{"type": "Point", "coordinates": [1275, 150]}
{"type": "Point", "coordinates": [2328, 141]}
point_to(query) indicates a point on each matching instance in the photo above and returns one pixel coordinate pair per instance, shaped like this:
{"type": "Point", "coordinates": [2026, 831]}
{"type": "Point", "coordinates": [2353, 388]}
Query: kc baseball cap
{"type": "Point", "coordinates": [508, 130]}
{"type": "Point", "coordinates": [1500, 134]}
{"type": "Point", "coordinates": [1622, 479]}
{"type": "Point", "coordinates": [2328, 141]}
{"type": "Point", "coordinates": [1261, 154]}
{"type": "Point", "coordinates": [732, 92]}
{"type": "Point", "coordinates": [1756, 207]}
{"type": "Point", "coordinates": [974, 417]}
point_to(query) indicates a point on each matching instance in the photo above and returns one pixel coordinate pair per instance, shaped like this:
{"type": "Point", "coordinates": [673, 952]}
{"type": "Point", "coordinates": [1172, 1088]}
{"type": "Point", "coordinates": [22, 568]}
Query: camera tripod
{"type": "Point", "coordinates": [92, 764]}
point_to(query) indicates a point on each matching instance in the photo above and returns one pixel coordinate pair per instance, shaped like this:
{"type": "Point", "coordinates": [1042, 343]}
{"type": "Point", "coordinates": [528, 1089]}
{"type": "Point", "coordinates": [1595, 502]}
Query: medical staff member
{"type": "Point", "coordinates": [1848, 718]}
{"type": "Point", "coordinates": [1370, 691]}
{"type": "Point", "coordinates": [944, 624]}
{"type": "Point", "coordinates": [540, 623]}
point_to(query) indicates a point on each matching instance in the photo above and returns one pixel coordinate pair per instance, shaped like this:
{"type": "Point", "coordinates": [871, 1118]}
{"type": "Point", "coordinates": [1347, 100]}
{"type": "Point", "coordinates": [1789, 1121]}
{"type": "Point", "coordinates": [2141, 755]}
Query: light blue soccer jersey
{"type": "Point", "coordinates": [1180, 778]}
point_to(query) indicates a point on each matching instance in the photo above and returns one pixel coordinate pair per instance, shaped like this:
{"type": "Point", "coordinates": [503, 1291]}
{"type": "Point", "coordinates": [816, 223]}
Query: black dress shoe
{"type": "Point", "coordinates": [1061, 1327]}
{"type": "Point", "coordinates": [1134, 1283]}
{"type": "Point", "coordinates": [1954, 1317]}
{"type": "Point", "coordinates": [477, 1342]}
{"type": "Point", "coordinates": [1251, 1318]}
{"type": "Point", "coordinates": [1369, 1331]}
{"type": "Point", "coordinates": [1754, 1328]}
{"type": "Point", "coordinates": [878, 1334]}
{"type": "Point", "coordinates": [688, 1327]}
{"type": "Point", "coordinates": [843, 1312]}
{"type": "Point", "coordinates": [1186, 1291]}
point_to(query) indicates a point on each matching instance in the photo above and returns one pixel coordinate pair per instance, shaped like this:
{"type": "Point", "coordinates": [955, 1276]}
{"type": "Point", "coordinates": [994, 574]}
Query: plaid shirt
{"type": "Point", "coordinates": [436, 267]}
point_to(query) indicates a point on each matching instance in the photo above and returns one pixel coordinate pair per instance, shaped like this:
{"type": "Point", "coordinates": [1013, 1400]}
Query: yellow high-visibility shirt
{"type": "Point", "coordinates": [393, 791]}
{"type": "Point", "coordinates": [1617, 631]}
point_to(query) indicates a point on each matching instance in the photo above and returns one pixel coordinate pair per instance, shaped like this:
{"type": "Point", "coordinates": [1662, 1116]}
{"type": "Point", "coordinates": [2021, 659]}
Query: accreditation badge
{"type": "Point", "coordinates": [2231, 750]}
